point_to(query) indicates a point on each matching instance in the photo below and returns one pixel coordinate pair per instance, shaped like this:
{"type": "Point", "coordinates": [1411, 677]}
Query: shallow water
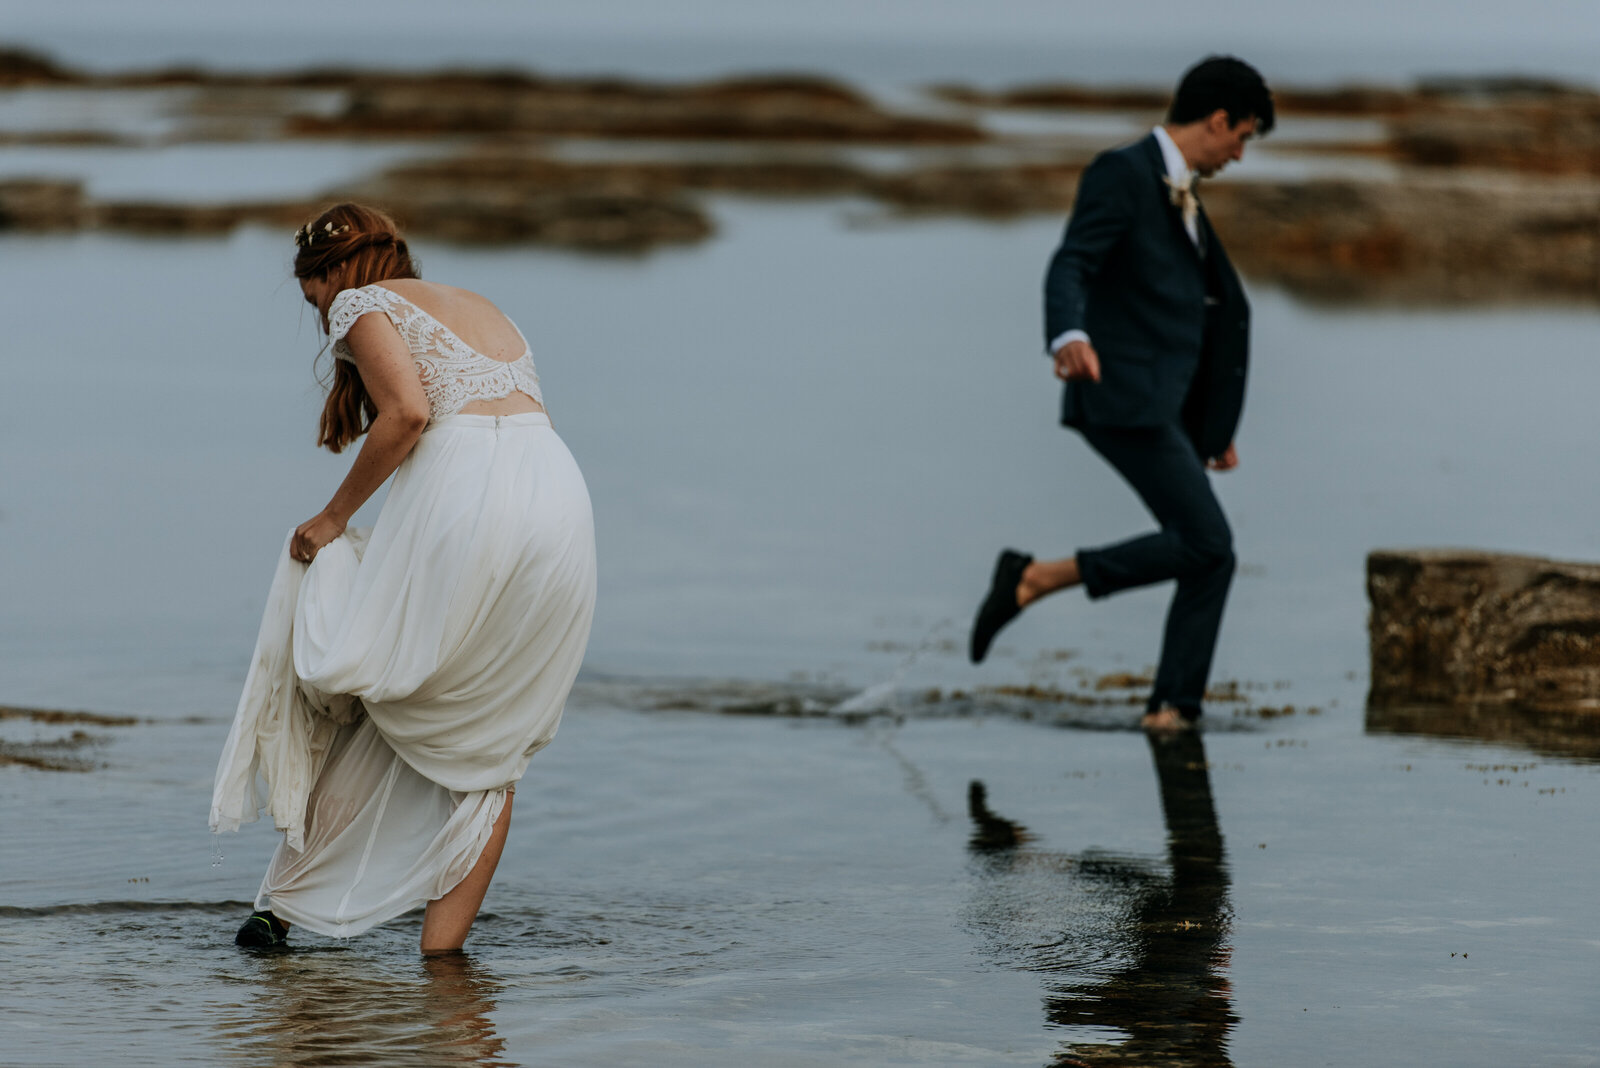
{"type": "Point", "coordinates": [205, 173]}
{"type": "Point", "coordinates": [805, 441]}
{"type": "Point", "coordinates": [690, 887]}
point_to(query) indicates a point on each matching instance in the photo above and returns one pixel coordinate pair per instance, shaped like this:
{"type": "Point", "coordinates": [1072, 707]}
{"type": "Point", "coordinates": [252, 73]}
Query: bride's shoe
{"type": "Point", "coordinates": [262, 931]}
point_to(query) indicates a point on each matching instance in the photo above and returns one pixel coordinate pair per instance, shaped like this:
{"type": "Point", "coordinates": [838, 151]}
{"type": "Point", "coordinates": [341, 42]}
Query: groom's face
{"type": "Point", "coordinates": [1224, 142]}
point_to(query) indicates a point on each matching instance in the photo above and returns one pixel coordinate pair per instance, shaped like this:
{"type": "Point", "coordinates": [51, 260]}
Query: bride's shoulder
{"type": "Point", "coordinates": [367, 298]}
{"type": "Point", "coordinates": [449, 303]}
{"type": "Point", "coordinates": [415, 289]}
{"type": "Point", "coordinates": [406, 287]}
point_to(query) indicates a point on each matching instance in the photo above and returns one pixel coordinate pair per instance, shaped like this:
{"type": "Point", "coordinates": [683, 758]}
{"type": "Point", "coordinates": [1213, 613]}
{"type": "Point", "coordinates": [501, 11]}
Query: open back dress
{"type": "Point", "coordinates": [403, 679]}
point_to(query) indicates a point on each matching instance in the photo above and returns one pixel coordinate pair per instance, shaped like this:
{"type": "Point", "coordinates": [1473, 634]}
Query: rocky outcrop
{"type": "Point", "coordinates": [1483, 629]}
{"type": "Point", "coordinates": [1553, 133]}
{"type": "Point", "coordinates": [42, 204]}
{"type": "Point", "coordinates": [589, 220]}
{"type": "Point", "coordinates": [983, 190]}
{"type": "Point", "coordinates": [512, 156]}
{"type": "Point", "coordinates": [762, 109]}
{"type": "Point", "coordinates": [19, 67]}
{"type": "Point", "coordinates": [974, 189]}
{"type": "Point", "coordinates": [617, 222]}
{"type": "Point", "coordinates": [1057, 96]}
{"type": "Point", "coordinates": [154, 217]}
{"type": "Point", "coordinates": [1440, 239]}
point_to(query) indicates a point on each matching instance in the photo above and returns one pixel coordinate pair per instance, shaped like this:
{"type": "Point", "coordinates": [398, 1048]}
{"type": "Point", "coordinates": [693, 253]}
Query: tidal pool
{"type": "Point", "coordinates": [805, 441]}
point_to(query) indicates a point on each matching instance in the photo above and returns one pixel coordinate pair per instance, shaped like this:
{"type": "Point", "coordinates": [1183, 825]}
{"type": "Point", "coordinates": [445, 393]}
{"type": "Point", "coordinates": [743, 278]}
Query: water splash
{"type": "Point", "coordinates": [879, 697]}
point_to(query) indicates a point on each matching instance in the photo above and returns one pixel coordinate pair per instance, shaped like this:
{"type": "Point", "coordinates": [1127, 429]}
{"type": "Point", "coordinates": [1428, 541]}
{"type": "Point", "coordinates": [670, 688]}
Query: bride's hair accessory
{"type": "Point", "coordinates": [308, 235]}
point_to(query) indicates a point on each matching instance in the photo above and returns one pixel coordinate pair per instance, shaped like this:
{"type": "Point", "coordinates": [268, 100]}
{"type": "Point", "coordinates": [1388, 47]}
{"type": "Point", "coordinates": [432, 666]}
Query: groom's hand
{"type": "Point", "coordinates": [1077, 360]}
{"type": "Point", "coordinates": [1226, 462]}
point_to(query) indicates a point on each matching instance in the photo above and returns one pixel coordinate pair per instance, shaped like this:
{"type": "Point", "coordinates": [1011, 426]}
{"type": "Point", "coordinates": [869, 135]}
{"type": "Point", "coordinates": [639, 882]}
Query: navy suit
{"type": "Point", "coordinates": [1170, 323]}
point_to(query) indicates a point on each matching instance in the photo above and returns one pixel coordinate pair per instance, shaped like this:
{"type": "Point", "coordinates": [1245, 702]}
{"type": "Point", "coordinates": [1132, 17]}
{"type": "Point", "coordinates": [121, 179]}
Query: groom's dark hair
{"type": "Point", "coordinates": [1227, 83]}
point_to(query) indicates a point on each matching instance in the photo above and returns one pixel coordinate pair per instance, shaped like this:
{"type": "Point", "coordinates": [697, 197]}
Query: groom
{"type": "Point", "coordinates": [1149, 328]}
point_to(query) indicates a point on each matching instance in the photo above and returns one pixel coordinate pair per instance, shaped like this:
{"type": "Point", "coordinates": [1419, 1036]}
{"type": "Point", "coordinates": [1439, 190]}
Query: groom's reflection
{"type": "Point", "coordinates": [316, 1008]}
{"type": "Point", "coordinates": [1159, 978]}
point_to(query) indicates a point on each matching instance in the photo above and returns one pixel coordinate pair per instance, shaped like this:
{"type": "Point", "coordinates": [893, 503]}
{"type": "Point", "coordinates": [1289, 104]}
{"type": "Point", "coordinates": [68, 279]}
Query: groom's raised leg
{"type": "Point", "coordinates": [1162, 467]}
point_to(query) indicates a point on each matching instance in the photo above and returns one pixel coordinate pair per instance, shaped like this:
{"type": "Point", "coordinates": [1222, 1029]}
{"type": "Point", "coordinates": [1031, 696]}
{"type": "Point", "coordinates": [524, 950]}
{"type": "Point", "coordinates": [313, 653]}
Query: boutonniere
{"type": "Point", "coordinates": [1183, 197]}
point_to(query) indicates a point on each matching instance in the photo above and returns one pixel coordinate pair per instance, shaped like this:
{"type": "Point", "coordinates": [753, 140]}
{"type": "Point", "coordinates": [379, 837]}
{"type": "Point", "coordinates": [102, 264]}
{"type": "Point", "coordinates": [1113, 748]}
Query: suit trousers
{"type": "Point", "coordinates": [1193, 546]}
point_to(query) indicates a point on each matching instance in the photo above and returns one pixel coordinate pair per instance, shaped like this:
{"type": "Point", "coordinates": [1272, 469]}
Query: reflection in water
{"type": "Point", "coordinates": [1160, 978]}
{"type": "Point", "coordinates": [1572, 732]}
{"type": "Point", "coordinates": [311, 1008]}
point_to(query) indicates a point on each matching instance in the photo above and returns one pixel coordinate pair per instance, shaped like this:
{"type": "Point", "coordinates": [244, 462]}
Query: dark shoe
{"type": "Point", "coordinates": [1000, 607]}
{"type": "Point", "coordinates": [262, 931]}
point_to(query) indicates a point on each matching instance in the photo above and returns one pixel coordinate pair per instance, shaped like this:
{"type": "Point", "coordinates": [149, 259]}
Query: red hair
{"type": "Point", "coordinates": [357, 245]}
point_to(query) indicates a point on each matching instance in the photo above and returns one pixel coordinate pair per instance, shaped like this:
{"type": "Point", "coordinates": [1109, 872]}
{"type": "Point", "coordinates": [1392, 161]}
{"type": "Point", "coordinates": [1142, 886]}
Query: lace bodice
{"type": "Point", "coordinates": [453, 373]}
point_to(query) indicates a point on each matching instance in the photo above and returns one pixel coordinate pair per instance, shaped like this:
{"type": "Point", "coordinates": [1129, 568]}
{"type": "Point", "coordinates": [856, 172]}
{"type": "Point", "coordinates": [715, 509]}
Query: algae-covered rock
{"type": "Point", "coordinates": [1478, 628]}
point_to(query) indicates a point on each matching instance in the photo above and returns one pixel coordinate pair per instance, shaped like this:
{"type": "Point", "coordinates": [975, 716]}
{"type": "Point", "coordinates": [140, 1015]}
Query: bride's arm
{"type": "Point", "coordinates": [391, 379]}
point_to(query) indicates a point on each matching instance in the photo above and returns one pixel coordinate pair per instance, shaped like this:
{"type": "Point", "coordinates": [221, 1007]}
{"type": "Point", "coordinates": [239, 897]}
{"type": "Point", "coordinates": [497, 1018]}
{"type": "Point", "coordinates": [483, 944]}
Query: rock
{"type": "Point", "coordinates": [1477, 628]}
{"type": "Point", "coordinates": [762, 109]}
{"type": "Point", "coordinates": [1444, 238]}
{"type": "Point", "coordinates": [512, 172]}
{"type": "Point", "coordinates": [142, 217]}
{"type": "Point", "coordinates": [1342, 100]}
{"type": "Point", "coordinates": [1051, 96]}
{"type": "Point", "coordinates": [997, 191]}
{"type": "Point", "coordinates": [42, 204]}
{"type": "Point", "coordinates": [19, 67]}
{"type": "Point", "coordinates": [599, 221]}
{"type": "Point", "coordinates": [1554, 132]}
{"type": "Point", "coordinates": [616, 222]}
{"type": "Point", "coordinates": [1494, 88]}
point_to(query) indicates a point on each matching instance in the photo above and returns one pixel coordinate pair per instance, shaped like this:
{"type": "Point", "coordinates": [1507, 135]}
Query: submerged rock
{"type": "Point", "coordinates": [1477, 628]}
{"type": "Point", "coordinates": [42, 204]}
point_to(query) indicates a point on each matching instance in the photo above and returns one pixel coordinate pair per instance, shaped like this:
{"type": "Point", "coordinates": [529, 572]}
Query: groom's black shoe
{"type": "Point", "coordinates": [1000, 607]}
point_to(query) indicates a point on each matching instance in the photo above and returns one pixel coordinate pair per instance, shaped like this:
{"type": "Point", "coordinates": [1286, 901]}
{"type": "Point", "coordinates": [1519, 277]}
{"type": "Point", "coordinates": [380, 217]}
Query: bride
{"type": "Point", "coordinates": [405, 674]}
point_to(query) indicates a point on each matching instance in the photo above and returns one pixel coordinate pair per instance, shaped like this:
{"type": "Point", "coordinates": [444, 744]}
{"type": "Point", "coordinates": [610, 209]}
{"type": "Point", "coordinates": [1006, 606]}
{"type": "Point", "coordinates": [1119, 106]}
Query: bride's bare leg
{"type": "Point", "coordinates": [449, 918]}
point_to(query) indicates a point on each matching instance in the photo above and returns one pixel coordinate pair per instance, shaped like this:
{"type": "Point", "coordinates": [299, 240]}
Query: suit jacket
{"type": "Point", "coordinates": [1171, 325]}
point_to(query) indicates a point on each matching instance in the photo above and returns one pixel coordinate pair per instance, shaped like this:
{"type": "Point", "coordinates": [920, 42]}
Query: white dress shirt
{"type": "Point", "coordinates": [1178, 174]}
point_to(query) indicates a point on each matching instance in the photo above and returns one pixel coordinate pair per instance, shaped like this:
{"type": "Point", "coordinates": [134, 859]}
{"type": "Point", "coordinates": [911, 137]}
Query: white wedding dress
{"type": "Point", "coordinates": [403, 679]}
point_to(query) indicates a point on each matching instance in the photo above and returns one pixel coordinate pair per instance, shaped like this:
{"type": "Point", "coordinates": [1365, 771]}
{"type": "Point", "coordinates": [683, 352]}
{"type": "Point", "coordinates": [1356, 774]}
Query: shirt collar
{"type": "Point", "coordinates": [1177, 166]}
